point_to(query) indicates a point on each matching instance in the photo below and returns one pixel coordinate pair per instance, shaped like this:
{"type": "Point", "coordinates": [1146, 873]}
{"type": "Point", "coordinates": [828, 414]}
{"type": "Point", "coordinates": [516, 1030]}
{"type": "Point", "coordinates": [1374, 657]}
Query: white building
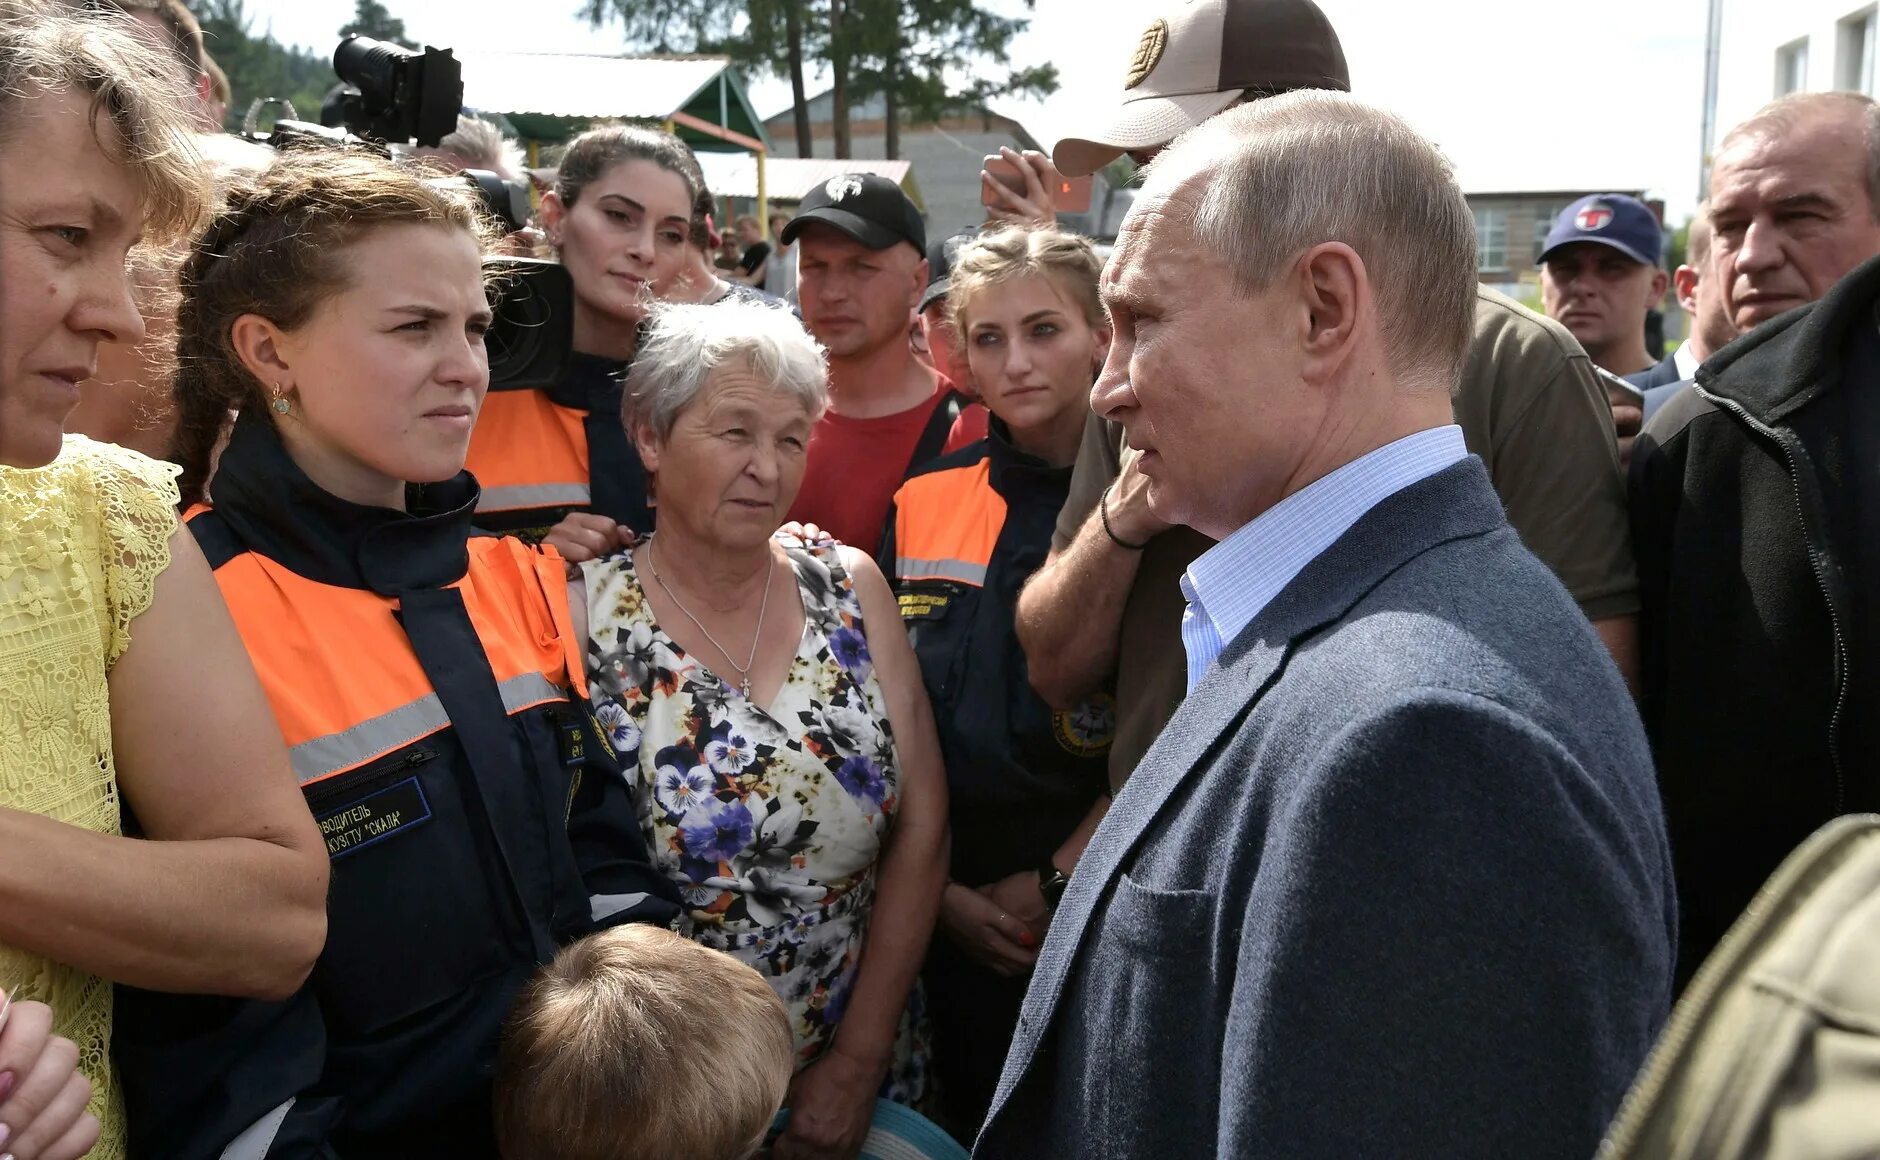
{"type": "Point", "coordinates": [1767, 49]}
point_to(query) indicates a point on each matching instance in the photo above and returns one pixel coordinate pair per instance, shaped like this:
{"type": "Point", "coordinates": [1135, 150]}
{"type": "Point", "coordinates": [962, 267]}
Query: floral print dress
{"type": "Point", "coordinates": [770, 820]}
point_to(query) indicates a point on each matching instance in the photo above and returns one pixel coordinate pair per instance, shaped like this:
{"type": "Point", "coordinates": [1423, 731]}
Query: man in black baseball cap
{"type": "Point", "coordinates": [861, 272]}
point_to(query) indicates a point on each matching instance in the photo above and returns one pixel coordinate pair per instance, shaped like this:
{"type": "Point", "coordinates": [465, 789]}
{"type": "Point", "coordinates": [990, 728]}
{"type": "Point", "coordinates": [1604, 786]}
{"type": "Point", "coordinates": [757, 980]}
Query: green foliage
{"type": "Point", "coordinates": [905, 48]}
{"type": "Point", "coordinates": [370, 18]}
{"type": "Point", "coordinates": [260, 66]}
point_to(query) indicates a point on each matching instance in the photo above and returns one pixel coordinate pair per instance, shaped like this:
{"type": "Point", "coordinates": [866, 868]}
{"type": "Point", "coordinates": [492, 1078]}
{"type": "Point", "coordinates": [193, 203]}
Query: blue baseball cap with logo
{"type": "Point", "coordinates": [1612, 219]}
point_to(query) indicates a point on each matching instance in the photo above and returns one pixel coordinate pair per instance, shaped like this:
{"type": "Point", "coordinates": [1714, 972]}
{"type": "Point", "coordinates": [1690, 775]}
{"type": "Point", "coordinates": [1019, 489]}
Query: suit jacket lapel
{"type": "Point", "coordinates": [1457, 501]}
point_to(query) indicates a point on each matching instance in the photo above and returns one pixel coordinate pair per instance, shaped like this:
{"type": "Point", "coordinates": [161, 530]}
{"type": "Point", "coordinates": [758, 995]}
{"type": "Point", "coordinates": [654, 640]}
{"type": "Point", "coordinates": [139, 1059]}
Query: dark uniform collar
{"type": "Point", "coordinates": [274, 509]}
{"type": "Point", "coordinates": [1012, 469]}
{"type": "Point", "coordinates": [590, 383]}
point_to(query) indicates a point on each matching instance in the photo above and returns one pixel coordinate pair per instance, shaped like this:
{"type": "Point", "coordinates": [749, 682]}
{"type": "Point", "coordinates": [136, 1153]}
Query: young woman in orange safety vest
{"type": "Point", "coordinates": [1027, 783]}
{"type": "Point", "coordinates": [619, 217]}
{"type": "Point", "coordinates": [427, 681]}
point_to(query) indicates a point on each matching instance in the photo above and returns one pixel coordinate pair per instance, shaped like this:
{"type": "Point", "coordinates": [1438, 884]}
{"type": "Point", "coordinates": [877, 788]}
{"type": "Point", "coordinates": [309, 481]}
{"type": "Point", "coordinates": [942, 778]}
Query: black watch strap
{"type": "Point", "coordinates": [1052, 882]}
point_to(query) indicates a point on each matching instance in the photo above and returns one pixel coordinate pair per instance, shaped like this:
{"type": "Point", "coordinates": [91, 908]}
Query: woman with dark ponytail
{"type": "Point", "coordinates": [619, 218]}
{"type": "Point", "coordinates": [428, 684]}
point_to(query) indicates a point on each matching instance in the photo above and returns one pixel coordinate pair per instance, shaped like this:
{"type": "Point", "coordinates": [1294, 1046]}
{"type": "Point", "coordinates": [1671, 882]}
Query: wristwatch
{"type": "Point", "coordinates": [1051, 883]}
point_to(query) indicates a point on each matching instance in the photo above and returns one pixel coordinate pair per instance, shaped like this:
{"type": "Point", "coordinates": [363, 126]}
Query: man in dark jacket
{"type": "Point", "coordinates": [1756, 518]}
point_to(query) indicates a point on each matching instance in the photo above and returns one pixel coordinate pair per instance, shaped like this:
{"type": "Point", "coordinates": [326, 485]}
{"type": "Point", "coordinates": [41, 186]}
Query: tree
{"type": "Point", "coordinates": [370, 18]}
{"type": "Point", "coordinates": [901, 50]}
{"type": "Point", "coordinates": [260, 66]}
{"type": "Point", "coordinates": [908, 49]}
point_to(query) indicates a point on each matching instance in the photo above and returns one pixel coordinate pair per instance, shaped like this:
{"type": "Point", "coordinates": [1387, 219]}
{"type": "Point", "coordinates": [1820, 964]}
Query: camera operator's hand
{"type": "Point", "coordinates": [1033, 207]}
{"type": "Point", "coordinates": [584, 536]}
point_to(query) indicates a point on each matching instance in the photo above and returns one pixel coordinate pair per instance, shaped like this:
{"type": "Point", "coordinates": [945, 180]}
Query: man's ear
{"type": "Point", "coordinates": [1660, 280]}
{"type": "Point", "coordinates": [1686, 282]}
{"type": "Point", "coordinates": [262, 348]}
{"type": "Point", "coordinates": [921, 270]}
{"type": "Point", "coordinates": [1334, 290]}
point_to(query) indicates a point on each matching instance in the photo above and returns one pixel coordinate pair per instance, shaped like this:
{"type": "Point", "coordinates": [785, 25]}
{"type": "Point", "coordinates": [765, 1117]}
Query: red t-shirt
{"type": "Point", "coordinates": [970, 427]}
{"type": "Point", "coordinates": [855, 467]}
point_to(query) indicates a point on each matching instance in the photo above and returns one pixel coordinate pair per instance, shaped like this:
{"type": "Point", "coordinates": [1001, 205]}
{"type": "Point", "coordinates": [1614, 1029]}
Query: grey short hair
{"type": "Point", "coordinates": [481, 145]}
{"type": "Point", "coordinates": [1283, 174]}
{"type": "Point", "coordinates": [685, 344]}
{"type": "Point", "coordinates": [1786, 114]}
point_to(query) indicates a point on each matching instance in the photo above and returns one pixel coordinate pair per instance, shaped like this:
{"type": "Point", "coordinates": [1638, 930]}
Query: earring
{"type": "Point", "coordinates": [280, 404]}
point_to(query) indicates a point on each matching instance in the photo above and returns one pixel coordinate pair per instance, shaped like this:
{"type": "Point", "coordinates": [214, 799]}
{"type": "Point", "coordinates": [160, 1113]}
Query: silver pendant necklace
{"type": "Point", "coordinates": [744, 670]}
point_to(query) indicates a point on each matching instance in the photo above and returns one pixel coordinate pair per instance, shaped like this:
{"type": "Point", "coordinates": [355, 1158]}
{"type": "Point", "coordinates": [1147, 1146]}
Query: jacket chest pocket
{"type": "Point", "coordinates": [412, 915]}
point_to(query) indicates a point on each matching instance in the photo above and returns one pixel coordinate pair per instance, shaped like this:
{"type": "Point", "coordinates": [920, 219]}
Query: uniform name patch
{"type": "Point", "coordinates": [922, 605]}
{"type": "Point", "coordinates": [372, 819]}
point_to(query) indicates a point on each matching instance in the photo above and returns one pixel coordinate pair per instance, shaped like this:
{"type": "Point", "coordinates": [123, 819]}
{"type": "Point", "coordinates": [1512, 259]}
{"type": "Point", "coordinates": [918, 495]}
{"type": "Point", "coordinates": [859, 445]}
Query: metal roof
{"type": "Point", "coordinates": [787, 178]}
{"type": "Point", "coordinates": [583, 85]}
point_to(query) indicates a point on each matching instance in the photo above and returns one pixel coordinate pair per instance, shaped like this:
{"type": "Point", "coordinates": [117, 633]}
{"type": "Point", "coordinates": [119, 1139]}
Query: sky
{"type": "Point", "coordinates": [1521, 94]}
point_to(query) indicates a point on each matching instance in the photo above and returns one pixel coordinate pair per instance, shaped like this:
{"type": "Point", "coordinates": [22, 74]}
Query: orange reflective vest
{"type": "Point", "coordinates": [430, 689]}
{"type": "Point", "coordinates": [543, 454]}
{"type": "Point", "coordinates": [966, 533]}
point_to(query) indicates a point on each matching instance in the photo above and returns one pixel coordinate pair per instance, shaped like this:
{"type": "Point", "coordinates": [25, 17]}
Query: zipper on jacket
{"type": "Point", "coordinates": [367, 777]}
{"type": "Point", "coordinates": [1821, 581]}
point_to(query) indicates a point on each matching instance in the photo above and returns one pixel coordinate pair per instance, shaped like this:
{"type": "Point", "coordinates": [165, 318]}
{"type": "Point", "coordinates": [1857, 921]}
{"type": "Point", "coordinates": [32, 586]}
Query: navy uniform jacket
{"type": "Point", "coordinates": [475, 826]}
{"type": "Point", "coordinates": [1393, 881]}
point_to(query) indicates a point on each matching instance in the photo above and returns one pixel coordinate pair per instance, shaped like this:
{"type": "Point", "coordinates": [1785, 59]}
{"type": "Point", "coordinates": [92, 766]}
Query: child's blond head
{"type": "Point", "coordinates": [639, 1044]}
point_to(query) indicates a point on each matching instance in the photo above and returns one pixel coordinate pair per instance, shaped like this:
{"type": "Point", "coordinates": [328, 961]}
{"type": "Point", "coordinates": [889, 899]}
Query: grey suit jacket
{"type": "Point", "coordinates": [1393, 882]}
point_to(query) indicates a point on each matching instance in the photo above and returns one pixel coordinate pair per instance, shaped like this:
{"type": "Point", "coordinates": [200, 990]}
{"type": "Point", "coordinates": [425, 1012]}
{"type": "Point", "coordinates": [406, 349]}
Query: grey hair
{"type": "Point", "coordinates": [482, 145]}
{"type": "Point", "coordinates": [1280, 175]}
{"type": "Point", "coordinates": [685, 344]}
{"type": "Point", "coordinates": [1785, 115]}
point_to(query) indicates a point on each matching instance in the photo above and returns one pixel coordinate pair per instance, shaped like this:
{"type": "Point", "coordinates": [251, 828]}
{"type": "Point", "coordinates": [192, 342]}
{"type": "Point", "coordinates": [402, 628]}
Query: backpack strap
{"type": "Point", "coordinates": [933, 438]}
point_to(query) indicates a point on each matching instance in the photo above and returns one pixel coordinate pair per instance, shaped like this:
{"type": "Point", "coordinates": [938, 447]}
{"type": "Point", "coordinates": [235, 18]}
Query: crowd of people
{"type": "Point", "coordinates": [1258, 694]}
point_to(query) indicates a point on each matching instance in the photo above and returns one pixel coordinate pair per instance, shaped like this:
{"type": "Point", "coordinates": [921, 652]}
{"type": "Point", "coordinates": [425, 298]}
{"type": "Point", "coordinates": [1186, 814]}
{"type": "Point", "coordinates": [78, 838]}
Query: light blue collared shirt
{"type": "Point", "coordinates": [1229, 584]}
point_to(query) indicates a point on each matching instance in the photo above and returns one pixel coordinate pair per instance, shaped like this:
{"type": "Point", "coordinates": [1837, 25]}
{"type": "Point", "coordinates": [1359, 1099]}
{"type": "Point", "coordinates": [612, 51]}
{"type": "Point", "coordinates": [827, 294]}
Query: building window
{"type": "Point", "coordinates": [1792, 67]}
{"type": "Point", "coordinates": [1853, 53]}
{"type": "Point", "coordinates": [1491, 240]}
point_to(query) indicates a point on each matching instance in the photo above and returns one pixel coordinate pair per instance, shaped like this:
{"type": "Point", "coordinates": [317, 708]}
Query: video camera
{"type": "Point", "coordinates": [394, 94]}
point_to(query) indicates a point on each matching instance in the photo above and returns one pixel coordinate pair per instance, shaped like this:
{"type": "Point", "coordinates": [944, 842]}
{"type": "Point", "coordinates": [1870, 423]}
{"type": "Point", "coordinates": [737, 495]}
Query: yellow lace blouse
{"type": "Point", "coordinates": [82, 542]}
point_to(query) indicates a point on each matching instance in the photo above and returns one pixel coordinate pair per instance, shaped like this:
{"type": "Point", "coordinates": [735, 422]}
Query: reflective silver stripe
{"type": "Point", "coordinates": [602, 906]}
{"type": "Point", "coordinates": [908, 568]}
{"type": "Point", "coordinates": [533, 495]}
{"type": "Point", "coordinates": [324, 756]}
{"type": "Point", "coordinates": [254, 1142]}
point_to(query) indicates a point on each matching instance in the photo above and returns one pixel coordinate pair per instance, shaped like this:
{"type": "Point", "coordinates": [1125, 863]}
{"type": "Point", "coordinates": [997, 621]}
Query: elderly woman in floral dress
{"type": "Point", "coordinates": [764, 699]}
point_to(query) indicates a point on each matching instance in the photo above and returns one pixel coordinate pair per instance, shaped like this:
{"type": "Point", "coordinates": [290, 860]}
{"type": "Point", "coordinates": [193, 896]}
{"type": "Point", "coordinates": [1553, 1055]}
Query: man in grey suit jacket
{"type": "Point", "coordinates": [1394, 880]}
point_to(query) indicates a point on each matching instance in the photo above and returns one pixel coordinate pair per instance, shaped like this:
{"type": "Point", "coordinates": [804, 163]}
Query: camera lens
{"type": "Point", "coordinates": [370, 64]}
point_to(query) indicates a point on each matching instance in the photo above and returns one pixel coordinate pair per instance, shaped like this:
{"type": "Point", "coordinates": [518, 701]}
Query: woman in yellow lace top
{"type": "Point", "coordinates": [124, 690]}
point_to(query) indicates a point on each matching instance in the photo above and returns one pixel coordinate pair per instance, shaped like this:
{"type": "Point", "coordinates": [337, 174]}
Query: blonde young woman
{"type": "Point", "coordinates": [1026, 782]}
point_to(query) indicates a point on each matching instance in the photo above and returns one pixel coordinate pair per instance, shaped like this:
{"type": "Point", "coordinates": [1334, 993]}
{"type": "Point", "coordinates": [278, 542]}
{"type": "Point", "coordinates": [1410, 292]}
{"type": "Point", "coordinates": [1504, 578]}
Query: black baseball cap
{"type": "Point", "coordinates": [940, 267]}
{"type": "Point", "coordinates": [867, 207]}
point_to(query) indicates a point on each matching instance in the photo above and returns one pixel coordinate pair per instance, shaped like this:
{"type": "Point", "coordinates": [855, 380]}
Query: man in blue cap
{"type": "Point", "coordinates": [1600, 274]}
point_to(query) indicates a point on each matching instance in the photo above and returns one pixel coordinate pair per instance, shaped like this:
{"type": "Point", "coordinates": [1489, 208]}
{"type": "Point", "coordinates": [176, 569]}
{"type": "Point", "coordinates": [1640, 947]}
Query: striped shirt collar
{"type": "Point", "coordinates": [1232, 582]}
